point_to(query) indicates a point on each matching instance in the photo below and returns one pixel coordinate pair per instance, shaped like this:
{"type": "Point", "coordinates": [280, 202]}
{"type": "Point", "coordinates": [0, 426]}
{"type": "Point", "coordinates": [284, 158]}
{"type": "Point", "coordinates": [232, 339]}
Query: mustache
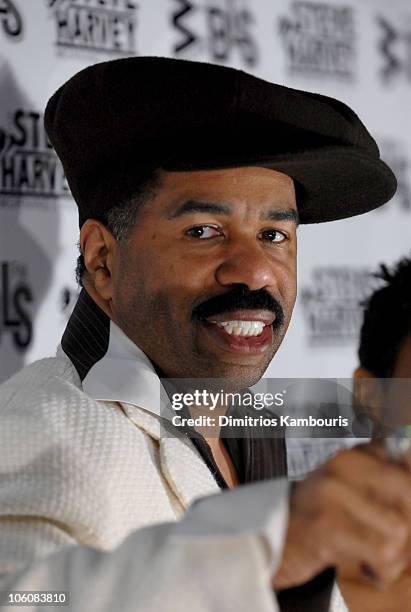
{"type": "Point", "coordinates": [240, 298]}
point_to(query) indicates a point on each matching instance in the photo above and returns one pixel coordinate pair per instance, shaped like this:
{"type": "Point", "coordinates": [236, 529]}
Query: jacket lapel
{"type": "Point", "coordinates": [185, 470]}
{"type": "Point", "coordinates": [182, 466]}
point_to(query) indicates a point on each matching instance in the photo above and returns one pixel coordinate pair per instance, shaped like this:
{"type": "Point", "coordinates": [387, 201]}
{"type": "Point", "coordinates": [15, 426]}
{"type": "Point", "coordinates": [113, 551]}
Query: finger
{"type": "Point", "coordinates": [388, 483]}
{"type": "Point", "coordinates": [372, 558]}
{"type": "Point", "coordinates": [357, 529]}
{"type": "Point", "coordinates": [389, 575]}
{"type": "Point", "coordinates": [386, 530]}
{"type": "Point", "coordinates": [364, 533]}
{"type": "Point", "coordinates": [376, 516]}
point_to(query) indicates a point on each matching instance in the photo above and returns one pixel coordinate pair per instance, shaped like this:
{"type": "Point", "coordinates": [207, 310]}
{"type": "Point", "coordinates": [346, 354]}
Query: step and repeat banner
{"type": "Point", "coordinates": [358, 51]}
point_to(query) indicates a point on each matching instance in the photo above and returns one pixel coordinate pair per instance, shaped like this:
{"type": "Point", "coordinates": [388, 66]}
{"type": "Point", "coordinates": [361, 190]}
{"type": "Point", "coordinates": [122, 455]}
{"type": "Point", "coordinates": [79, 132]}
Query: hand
{"type": "Point", "coordinates": [353, 513]}
{"type": "Point", "coordinates": [361, 597]}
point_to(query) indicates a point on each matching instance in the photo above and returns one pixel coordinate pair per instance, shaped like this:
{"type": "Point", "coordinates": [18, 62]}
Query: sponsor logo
{"type": "Point", "coordinates": [10, 19]}
{"type": "Point", "coordinates": [221, 29]}
{"type": "Point", "coordinates": [332, 304]}
{"type": "Point", "coordinates": [106, 26]}
{"type": "Point", "coordinates": [319, 39]}
{"type": "Point", "coordinates": [395, 154]}
{"type": "Point", "coordinates": [395, 49]}
{"type": "Point", "coordinates": [28, 163]}
{"type": "Point", "coordinates": [16, 296]}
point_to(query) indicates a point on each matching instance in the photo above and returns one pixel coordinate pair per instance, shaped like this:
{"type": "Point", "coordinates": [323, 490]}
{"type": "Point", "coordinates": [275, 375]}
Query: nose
{"type": "Point", "coordinates": [246, 264]}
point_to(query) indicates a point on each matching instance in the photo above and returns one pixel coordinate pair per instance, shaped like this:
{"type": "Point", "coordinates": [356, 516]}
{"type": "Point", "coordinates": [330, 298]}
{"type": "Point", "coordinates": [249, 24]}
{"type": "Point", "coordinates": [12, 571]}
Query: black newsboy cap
{"type": "Point", "coordinates": [113, 123]}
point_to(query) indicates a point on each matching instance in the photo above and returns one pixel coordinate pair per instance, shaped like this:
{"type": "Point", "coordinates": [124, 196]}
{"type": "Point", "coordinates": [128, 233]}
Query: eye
{"type": "Point", "coordinates": [273, 235]}
{"type": "Point", "coordinates": [203, 232]}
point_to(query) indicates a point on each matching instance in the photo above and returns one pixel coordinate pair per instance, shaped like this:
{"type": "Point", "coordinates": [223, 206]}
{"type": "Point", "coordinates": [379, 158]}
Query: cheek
{"type": "Point", "coordinates": [293, 289]}
{"type": "Point", "coordinates": [182, 276]}
{"type": "Point", "coordinates": [156, 285]}
{"type": "Point", "coordinates": [287, 283]}
{"type": "Point", "coordinates": [132, 282]}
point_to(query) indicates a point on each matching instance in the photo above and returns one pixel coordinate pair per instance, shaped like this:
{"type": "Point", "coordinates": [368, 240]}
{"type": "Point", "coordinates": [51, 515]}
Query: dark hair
{"type": "Point", "coordinates": [387, 320]}
{"type": "Point", "coordinates": [121, 219]}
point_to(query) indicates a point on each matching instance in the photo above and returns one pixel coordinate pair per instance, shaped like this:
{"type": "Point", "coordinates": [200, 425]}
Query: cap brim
{"type": "Point", "coordinates": [337, 182]}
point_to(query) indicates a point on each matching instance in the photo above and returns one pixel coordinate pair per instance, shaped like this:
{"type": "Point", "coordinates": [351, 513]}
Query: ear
{"type": "Point", "coordinates": [368, 394]}
{"type": "Point", "coordinates": [361, 372]}
{"type": "Point", "coordinates": [99, 250]}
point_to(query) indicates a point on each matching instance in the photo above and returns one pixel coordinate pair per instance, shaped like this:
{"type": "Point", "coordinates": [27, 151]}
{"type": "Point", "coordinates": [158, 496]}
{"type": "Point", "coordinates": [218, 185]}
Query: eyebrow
{"type": "Point", "coordinates": [191, 206]}
{"type": "Point", "coordinates": [198, 206]}
{"type": "Point", "coordinates": [286, 214]}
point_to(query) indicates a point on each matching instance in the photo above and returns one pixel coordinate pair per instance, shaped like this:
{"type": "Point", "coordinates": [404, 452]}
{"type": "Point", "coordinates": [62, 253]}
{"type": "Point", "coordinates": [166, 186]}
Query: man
{"type": "Point", "coordinates": [190, 180]}
{"type": "Point", "coordinates": [385, 349]}
{"type": "Point", "coordinates": [383, 392]}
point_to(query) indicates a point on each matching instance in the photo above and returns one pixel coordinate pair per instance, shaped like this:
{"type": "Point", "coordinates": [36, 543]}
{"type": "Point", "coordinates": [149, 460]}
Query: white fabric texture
{"type": "Point", "coordinates": [94, 500]}
{"type": "Point", "coordinates": [78, 476]}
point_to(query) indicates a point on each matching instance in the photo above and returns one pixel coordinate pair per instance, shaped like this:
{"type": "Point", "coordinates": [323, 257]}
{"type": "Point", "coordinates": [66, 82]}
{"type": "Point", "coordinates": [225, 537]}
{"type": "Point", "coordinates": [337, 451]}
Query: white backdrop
{"type": "Point", "coordinates": [356, 50]}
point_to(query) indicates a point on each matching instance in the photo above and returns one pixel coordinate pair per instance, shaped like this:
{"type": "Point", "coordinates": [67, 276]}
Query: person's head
{"type": "Point", "coordinates": [200, 270]}
{"type": "Point", "coordinates": [196, 261]}
{"type": "Point", "coordinates": [384, 349]}
{"type": "Point", "coordinates": [385, 341]}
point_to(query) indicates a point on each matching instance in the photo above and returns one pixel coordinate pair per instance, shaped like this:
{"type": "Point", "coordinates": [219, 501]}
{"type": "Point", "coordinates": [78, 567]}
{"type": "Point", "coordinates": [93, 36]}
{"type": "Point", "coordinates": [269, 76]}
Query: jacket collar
{"type": "Point", "coordinates": [112, 368]}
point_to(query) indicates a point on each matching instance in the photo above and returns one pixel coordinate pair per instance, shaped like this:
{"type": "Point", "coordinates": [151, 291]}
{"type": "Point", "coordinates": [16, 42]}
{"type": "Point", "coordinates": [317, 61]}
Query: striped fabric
{"type": "Point", "coordinates": [86, 337]}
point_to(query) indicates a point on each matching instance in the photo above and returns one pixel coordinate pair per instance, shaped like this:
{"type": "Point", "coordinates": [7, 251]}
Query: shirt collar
{"type": "Point", "coordinates": [111, 367]}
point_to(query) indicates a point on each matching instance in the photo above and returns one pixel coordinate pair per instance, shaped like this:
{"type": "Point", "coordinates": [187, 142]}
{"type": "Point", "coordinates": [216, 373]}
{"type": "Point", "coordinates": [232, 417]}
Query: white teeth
{"type": "Point", "coordinates": [242, 328]}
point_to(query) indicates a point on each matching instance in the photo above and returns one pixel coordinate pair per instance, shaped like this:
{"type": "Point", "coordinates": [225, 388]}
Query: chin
{"type": "Point", "coordinates": [235, 379]}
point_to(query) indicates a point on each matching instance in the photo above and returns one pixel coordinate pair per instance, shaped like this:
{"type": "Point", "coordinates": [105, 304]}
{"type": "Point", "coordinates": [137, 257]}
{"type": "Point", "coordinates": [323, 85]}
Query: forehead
{"type": "Point", "coordinates": [251, 185]}
{"type": "Point", "coordinates": [229, 178]}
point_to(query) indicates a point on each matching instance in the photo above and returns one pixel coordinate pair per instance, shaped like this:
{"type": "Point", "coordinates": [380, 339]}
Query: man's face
{"type": "Point", "coordinates": [206, 282]}
{"type": "Point", "coordinates": [388, 401]}
{"type": "Point", "coordinates": [397, 407]}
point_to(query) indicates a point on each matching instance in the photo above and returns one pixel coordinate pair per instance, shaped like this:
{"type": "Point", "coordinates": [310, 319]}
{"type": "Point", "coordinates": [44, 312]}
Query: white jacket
{"type": "Point", "coordinates": [94, 501]}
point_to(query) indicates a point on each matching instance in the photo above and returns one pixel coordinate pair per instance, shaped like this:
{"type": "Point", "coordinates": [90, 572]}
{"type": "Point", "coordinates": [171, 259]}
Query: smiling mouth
{"type": "Point", "coordinates": [242, 331]}
{"type": "Point", "coordinates": [246, 329]}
